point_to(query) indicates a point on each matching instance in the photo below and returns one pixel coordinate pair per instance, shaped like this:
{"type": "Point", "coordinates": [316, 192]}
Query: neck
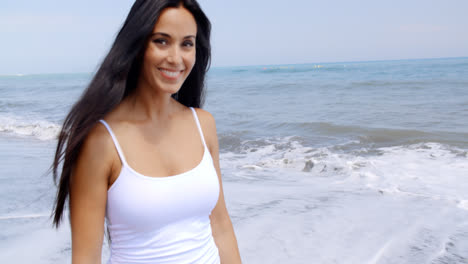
{"type": "Point", "coordinates": [152, 104]}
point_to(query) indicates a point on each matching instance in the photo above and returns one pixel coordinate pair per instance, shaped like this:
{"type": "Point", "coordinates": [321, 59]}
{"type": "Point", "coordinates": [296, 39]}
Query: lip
{"type": "Point", "coordinates": [170, 77]}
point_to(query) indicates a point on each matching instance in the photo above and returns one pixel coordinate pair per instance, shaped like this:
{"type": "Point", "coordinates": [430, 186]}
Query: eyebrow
{"type": "Point", "coordinates": [168, 36]}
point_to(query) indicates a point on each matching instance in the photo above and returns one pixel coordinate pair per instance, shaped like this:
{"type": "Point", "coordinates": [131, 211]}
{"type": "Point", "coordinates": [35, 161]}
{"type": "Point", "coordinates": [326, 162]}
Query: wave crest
{"type": "Point", "coordinates": [39, 129]}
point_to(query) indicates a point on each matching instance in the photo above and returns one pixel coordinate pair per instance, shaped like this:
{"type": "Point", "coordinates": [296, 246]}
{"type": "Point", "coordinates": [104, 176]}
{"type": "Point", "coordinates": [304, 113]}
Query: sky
{"type": "Point", "coordinates": [56, 36]}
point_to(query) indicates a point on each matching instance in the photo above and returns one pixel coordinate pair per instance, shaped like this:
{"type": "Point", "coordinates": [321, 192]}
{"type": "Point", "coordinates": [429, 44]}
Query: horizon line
{"type": "Point", "coordinates": [252, 65]}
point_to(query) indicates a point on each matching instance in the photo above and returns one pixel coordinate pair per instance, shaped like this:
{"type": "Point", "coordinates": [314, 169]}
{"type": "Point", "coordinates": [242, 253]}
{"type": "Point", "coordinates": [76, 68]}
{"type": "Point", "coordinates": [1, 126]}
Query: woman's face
{"type": "Point", "coordinates": [170, 53]}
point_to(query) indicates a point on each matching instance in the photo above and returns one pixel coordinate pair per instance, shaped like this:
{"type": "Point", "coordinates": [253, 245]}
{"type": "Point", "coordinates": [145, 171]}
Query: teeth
{"type": "Point", "coordinates": [171, 74]}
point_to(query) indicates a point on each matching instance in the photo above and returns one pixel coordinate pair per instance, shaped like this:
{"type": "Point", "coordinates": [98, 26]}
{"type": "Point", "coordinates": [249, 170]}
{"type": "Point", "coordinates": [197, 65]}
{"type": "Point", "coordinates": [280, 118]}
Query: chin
{"type": "Point", "coordinates": [170, 89]}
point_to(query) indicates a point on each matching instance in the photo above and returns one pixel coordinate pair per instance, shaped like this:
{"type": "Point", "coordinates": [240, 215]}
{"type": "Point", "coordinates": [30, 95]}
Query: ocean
{"type": "Point", "coordinates": [352, 162]}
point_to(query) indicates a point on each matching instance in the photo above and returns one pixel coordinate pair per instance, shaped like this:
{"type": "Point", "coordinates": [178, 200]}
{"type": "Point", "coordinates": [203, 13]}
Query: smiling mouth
{"type": "Point", "coordinates": [170, 74]}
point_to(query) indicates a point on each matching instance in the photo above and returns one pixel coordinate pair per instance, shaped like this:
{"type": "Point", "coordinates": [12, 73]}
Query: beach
{"type": "Point", "coordinates": [352, 162]}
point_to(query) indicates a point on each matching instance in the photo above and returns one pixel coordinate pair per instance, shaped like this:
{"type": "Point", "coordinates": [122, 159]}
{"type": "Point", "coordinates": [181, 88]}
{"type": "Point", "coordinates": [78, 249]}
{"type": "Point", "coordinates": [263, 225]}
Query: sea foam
{"type": "Point", "coordinates": [36, 128]}
{"type": "Point", "coordinates": [427, 170]}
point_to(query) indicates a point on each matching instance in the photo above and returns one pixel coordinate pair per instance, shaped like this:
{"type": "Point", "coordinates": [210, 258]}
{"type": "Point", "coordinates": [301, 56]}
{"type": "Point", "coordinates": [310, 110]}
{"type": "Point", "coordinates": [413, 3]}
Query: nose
{"type": "Point", "coordinates": [174, 56]}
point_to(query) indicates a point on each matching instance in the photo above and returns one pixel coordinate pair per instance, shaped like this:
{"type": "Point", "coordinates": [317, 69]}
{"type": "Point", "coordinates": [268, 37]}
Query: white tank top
{"type": "Point", "coordinates": [162, 219]}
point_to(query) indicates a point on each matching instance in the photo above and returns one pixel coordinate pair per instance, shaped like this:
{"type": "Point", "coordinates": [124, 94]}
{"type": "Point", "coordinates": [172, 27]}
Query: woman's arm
{"type": "Point", "coordinates": [88, 196]}
{"type": "Point", "coordinates": [221, 225]}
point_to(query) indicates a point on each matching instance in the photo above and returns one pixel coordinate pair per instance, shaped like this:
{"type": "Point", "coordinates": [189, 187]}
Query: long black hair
{"type": "Point", "coordinates": [117, 77]}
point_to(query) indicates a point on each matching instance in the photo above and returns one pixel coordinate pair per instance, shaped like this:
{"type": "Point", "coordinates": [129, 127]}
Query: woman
{"type": "Point", "coordinates": [137, 153]}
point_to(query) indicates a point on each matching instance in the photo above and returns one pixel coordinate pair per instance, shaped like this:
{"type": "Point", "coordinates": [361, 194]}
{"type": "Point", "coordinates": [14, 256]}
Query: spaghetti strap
{"type": "Point", "coordinates": [116, 143]}
{"type": "Point", "coordinates": [199, 126]}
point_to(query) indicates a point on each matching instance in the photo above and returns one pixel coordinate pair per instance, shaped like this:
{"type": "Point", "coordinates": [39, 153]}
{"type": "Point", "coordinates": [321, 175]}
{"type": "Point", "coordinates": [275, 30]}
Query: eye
{"type": "Point", "coordinates": [188, 43]}
{"type": "Point", "coordinates": [160, 41]}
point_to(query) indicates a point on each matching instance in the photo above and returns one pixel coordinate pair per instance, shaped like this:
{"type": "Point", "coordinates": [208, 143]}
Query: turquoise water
{"type": "Point", "coordinates": [369, 160]}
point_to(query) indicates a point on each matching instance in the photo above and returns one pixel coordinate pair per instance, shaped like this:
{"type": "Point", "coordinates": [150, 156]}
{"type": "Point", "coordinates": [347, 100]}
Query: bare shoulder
{"type": "Point", "coordinates": [97, 152]}
{"type": "Point", "coordinates": [98, 142]}
{"type": "Point", "coordinates": [205, 117]}
{"type": "Point", "coordinates": [208, 124]}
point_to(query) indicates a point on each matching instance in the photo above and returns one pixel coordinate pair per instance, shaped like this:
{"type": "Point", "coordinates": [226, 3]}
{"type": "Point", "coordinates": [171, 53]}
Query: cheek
{"type": "Point", "coordinates": [153, 56]}
{"type": "Point", "coordinates": [151, 60]}
{"type": "Point", "coordinates": [190, 60]}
